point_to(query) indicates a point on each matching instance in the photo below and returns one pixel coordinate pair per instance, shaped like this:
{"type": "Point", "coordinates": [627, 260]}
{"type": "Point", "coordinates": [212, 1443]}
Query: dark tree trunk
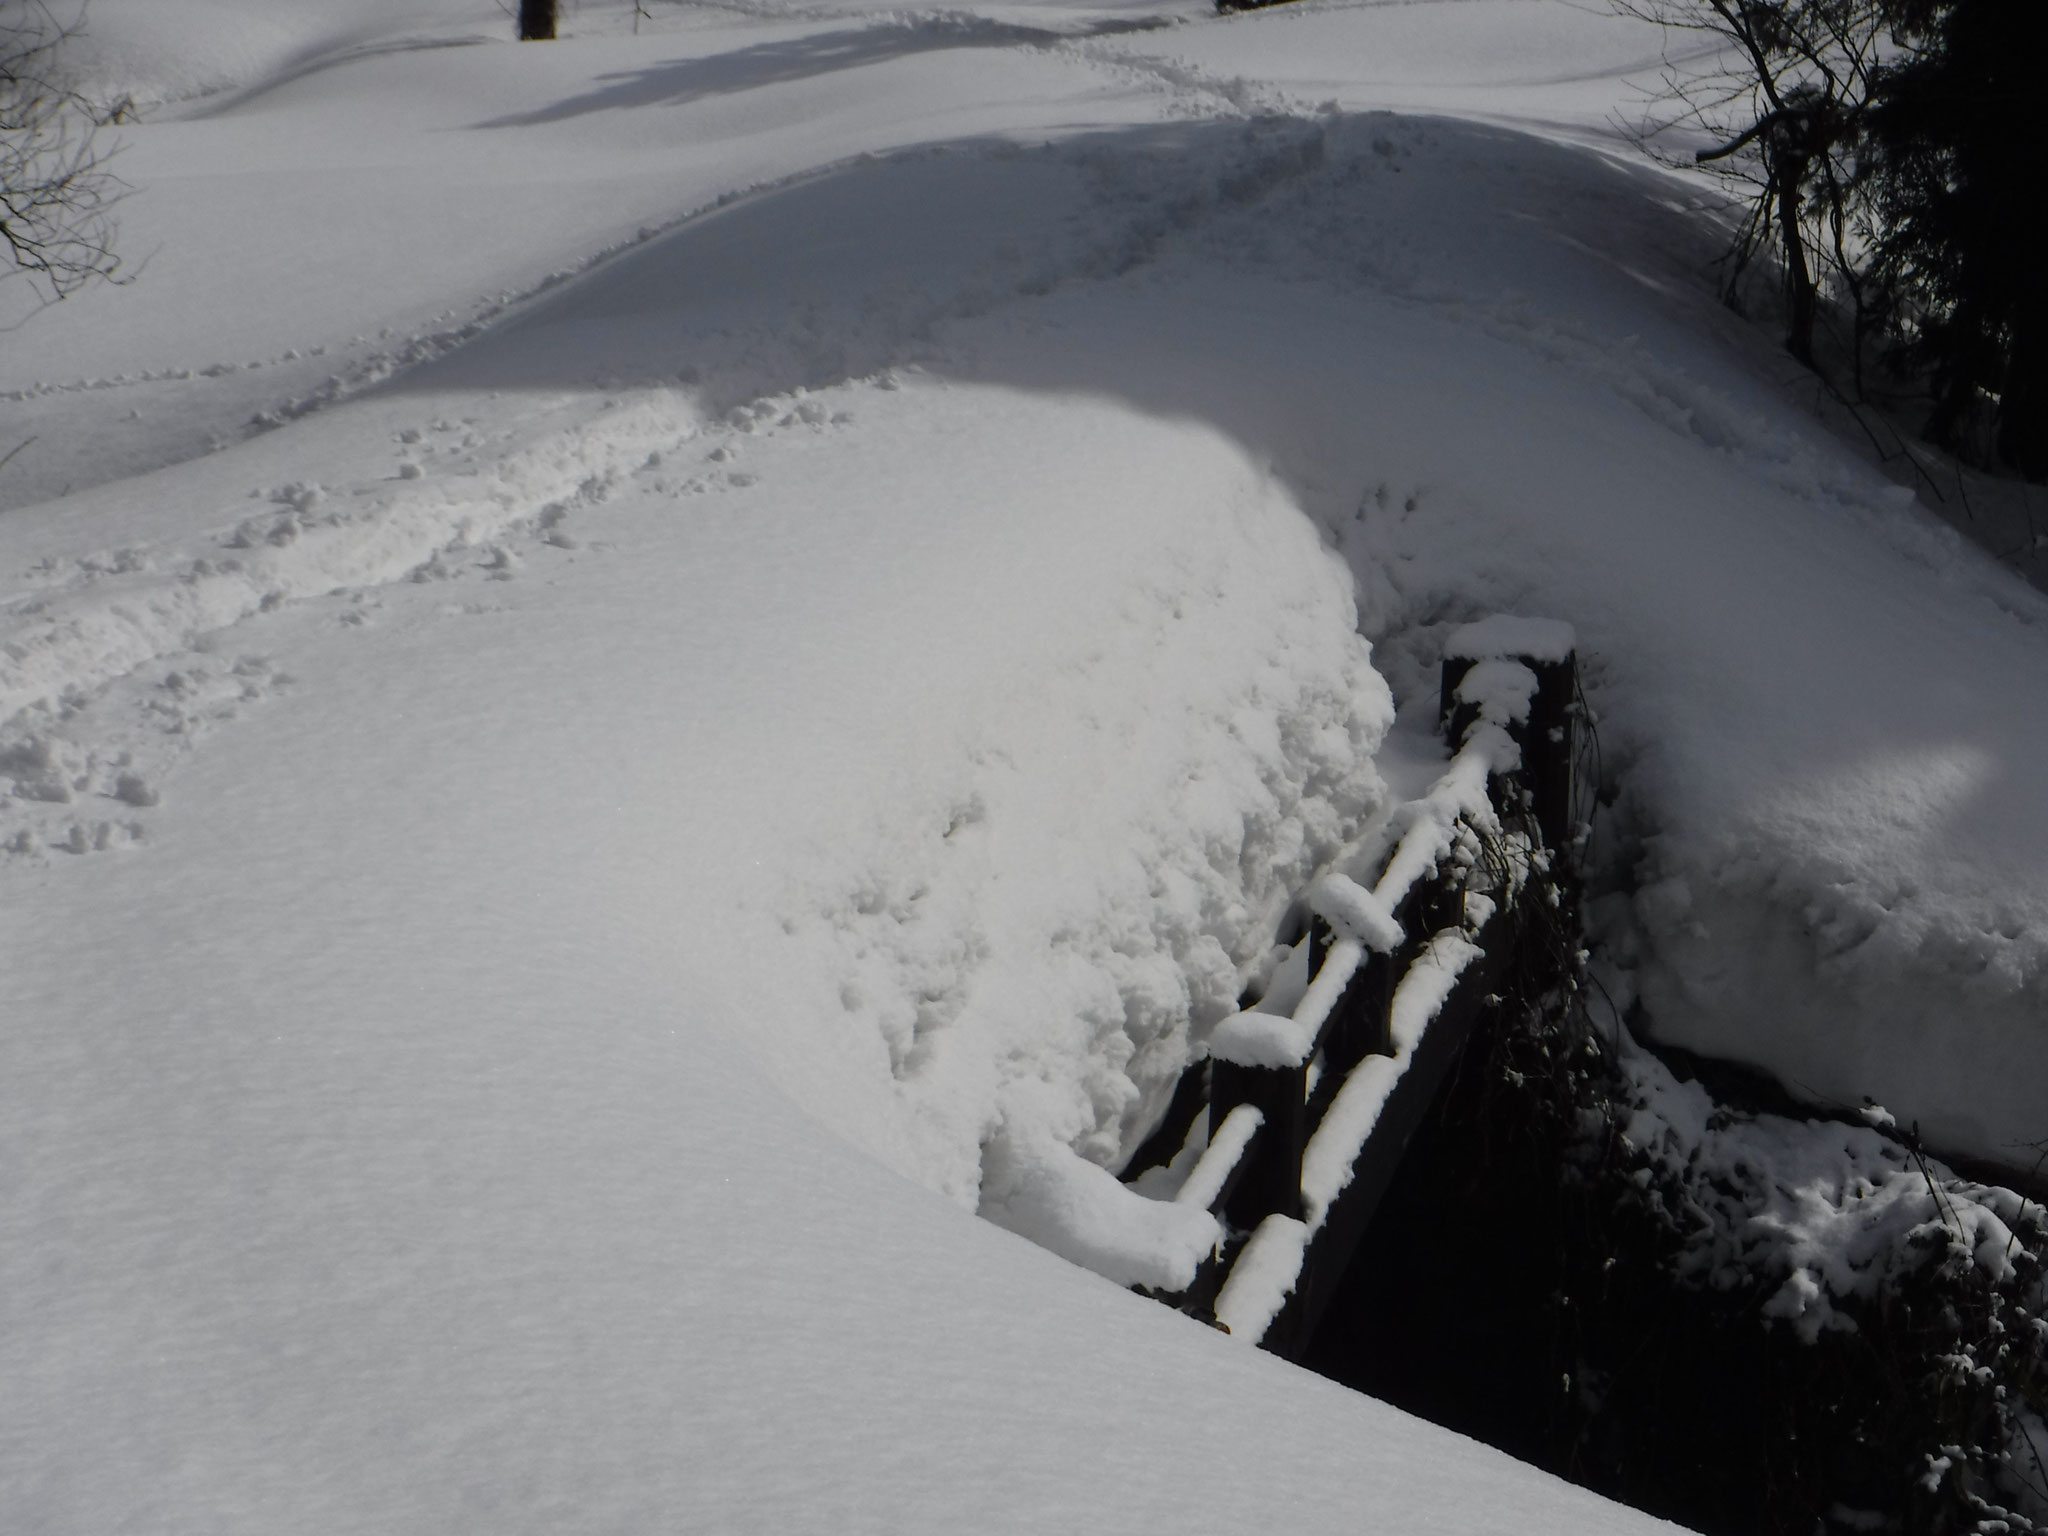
{"type": "Point", "coordinates": [536, 20]}
{"type": "Point", "coordinates": [1799, 290]}
{"type": "Point", "coordinates": [2023, 401]}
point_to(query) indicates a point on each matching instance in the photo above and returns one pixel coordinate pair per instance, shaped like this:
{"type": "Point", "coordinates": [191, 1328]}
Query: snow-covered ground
{"type": "Point", "coordinates": [621, 655]}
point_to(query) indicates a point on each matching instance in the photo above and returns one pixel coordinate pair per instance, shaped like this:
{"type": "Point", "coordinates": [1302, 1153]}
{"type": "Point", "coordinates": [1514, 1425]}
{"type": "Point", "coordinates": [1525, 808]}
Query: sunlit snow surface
{"type": "Point", "coordinates": [558, 806]}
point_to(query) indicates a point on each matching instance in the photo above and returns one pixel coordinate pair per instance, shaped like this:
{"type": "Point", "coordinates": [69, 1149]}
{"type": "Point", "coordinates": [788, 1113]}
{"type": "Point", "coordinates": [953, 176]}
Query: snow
{"type": "Point", "coordinates": [1252, 1038]}
{"type": "Point", "coordinates": [1499, 689]}
{"type": "Point", "coordinates": [1262, 1278]}
{"type": "Point", "coordinates": [636, 674]}
{"type": "Point", "coordinates": [1205, 1182]}
{"type": "Point", "coordinates": [1354, 911]}
{"type": "Point", "coordinates": [1512, 635]}
{"type": "Point", "coordinates": [1038, 1189]}
{"type": "Point", "coordinates": [148, 54]}
{"type": "Point", "coordinates": [1427, 828]}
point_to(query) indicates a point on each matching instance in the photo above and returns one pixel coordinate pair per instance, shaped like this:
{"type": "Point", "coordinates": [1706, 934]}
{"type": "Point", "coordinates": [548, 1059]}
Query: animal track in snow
{"type": "Point", "coordinates": [74, 771]}
{"type": "Point", "coordinates": [111, 663]}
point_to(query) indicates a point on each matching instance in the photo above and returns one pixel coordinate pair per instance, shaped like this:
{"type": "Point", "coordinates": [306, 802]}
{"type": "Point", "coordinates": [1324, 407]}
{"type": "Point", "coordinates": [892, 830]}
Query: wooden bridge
{"type": "Point", "coordinates": [1290, 1132]}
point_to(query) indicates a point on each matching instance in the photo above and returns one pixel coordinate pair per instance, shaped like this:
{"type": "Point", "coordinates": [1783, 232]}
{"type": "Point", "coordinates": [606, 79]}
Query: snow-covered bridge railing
{"type": "Point", "coordinates": [1290, 1133]}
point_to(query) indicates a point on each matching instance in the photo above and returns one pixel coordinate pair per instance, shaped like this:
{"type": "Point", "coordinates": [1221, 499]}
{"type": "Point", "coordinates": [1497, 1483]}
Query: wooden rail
{"type": "Point", "coordinates": [1408, 1003]}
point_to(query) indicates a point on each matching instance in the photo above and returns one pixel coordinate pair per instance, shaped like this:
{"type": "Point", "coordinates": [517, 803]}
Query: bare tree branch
{"type": "Point", "coordinates": [56, 193]}
{"type": "Point", "coordinates": [1779, 93]}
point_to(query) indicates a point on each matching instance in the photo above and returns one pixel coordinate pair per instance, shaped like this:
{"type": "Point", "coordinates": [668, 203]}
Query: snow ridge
{"type": "Point", "coordinates": [109, 618]}
{"type": "Point", "coordinates": [102, 624]}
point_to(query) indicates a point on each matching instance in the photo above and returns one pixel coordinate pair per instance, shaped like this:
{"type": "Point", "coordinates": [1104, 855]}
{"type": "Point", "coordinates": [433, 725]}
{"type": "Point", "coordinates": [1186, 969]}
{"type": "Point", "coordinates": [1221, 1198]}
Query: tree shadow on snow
{"type": "Point", "coordinates": [1273, 278]}
{"type": "Point", "coordinates": [677, 82]}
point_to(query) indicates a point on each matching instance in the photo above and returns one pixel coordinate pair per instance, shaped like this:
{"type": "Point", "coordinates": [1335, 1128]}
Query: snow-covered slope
{"type": "Point", "coordinates": [535, 872]}
{"type": "Point", "coordinates": [412, 1164]}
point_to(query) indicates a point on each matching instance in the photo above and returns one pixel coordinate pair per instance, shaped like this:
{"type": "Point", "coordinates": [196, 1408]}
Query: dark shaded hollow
{"type": "Point", "coordinates": [1496, 1298]}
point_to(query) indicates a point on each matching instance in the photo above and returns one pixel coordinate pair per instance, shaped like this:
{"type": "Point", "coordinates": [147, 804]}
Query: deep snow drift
{"type": "Point", "coordinates": [538, 868]}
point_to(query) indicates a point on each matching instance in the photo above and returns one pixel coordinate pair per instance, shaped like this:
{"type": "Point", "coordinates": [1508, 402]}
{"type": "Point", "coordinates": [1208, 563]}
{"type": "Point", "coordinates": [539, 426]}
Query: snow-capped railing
{"type": "Point", "coordinates": [1308, 1111]}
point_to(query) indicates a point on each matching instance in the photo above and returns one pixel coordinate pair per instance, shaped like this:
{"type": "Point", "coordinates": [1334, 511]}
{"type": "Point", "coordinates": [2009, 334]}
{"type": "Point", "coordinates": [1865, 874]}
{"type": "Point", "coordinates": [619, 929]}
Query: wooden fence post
{"type": "Point", "coordinates": [1548, 747]}
{"type": "Point", "coordinates": [1546, 737]}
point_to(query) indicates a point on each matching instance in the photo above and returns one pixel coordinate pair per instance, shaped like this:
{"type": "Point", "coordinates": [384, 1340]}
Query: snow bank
{"type": "Point", "coordinates": [1039, 1189]}
{"type": "Point", "coordinates": [428, 1118]}
{"type": "Point", "coordinates": [1818, 710]}
{"type": "Point", "coordinates": [1050, 939]}
{"type": "Point", "coordinates": [1559, 69]}
{"type": "Point", "coordinates": [1141, 737]}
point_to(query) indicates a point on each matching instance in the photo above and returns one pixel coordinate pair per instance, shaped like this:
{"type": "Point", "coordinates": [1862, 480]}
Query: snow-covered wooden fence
{"type": "Point", "coordinates": [1291, 1131]}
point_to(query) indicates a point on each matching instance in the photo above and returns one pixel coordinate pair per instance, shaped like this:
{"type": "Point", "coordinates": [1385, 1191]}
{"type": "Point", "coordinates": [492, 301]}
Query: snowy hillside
{"type": "Point", "coordinates": [622, 654]}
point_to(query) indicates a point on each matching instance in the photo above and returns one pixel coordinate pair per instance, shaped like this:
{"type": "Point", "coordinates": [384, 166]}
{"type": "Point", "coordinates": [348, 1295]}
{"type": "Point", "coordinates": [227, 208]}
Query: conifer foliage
{"type": "Point", "coordinates": [1956, 164]}
{"type": "Point", "coordinates": [1889, 154]}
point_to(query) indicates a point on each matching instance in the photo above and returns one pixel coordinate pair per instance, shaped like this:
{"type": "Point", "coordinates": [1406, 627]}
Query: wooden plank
{"type": "Point", "coordinates": [1359, 1026]}
{"type": "Point", "coordinates": [1349, 1215]}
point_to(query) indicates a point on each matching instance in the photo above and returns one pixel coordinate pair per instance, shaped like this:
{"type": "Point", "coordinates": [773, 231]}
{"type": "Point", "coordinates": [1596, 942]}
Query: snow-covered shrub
{"type": "Point", "coordinates": [1882, 1321]}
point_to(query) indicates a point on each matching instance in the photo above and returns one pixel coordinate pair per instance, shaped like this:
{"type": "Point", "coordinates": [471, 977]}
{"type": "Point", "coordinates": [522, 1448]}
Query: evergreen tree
{"type": "Point", "coordinates": [1956, 165]}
